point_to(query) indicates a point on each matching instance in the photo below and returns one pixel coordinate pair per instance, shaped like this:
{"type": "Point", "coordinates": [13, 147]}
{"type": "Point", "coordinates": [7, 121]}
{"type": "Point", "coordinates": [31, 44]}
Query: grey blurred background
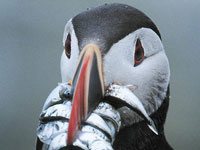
{"type": "Point", "coordinates": [30, 49]}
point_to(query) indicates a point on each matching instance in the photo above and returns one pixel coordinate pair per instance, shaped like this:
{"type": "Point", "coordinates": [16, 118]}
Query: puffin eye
{"type": "Point", "coordinates": [68, 46]}
{"type": "Point", "coordinates": [139, 53]}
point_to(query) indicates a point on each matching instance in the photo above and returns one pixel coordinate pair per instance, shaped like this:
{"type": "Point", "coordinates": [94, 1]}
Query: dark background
{"type": "Point", "coordinates": [31, 46]}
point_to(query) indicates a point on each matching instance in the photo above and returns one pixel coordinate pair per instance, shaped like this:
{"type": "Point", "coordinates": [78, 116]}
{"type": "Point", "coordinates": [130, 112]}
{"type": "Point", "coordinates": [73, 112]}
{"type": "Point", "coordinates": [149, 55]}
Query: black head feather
{"type": "Point", "coordinates": [109, 23]}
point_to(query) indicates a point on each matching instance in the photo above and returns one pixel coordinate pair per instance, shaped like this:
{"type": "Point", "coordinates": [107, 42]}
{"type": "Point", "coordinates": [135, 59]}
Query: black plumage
{"type": "Point", "coordinates": [109, 23]}
{"type": "Point", "coordinates": [140, 137]}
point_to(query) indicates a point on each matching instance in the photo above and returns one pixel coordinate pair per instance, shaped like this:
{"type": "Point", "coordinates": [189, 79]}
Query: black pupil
{"type": "Point", "coordinates": [68, 46]}
{"type": "Point", "coordinates": [138, 54]}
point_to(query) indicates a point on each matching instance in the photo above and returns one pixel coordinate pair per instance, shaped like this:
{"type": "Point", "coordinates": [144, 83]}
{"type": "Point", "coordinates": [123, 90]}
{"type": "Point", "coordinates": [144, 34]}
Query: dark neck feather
{"type": "Point", "coordinates": [140, 137]}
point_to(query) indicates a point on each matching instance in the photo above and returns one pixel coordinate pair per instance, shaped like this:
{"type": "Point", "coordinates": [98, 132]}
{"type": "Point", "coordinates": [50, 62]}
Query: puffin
{"type": "Point", "coordinates": [109, 50]}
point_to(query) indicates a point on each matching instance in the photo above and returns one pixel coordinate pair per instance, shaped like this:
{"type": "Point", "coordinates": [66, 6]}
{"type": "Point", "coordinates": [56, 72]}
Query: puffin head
{"type": "Point", "coordinates": [130, 46]}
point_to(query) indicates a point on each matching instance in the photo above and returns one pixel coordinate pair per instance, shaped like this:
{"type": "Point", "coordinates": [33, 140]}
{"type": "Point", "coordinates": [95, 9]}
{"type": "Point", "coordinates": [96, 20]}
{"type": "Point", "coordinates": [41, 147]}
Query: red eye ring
{"type": "Point", "coordinates": [139, 53]}
{"type": "Point", "coordinates": [68, 46]}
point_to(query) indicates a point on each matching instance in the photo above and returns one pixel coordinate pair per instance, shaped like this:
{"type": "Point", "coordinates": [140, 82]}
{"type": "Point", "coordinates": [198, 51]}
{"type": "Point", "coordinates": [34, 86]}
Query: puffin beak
{"type": "Point", "coordinates": [87, 88]}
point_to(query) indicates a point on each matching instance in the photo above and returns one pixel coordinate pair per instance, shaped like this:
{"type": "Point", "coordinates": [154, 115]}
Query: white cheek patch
{"type": "Point", "coordinates": [152, 81]}
{"type": "Point", "coordinates": [150, 78]}
{"type": "Point", "coordinates": [67, 65]}
{"type": "Point", "coordinates": [118, 58]}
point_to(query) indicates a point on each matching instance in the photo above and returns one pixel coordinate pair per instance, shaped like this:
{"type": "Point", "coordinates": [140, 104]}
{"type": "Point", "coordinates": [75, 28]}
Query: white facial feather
{"type": "Point", "coordinates": [68, 66]}
{"type": "Point", "coordinates": [150, 79]}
